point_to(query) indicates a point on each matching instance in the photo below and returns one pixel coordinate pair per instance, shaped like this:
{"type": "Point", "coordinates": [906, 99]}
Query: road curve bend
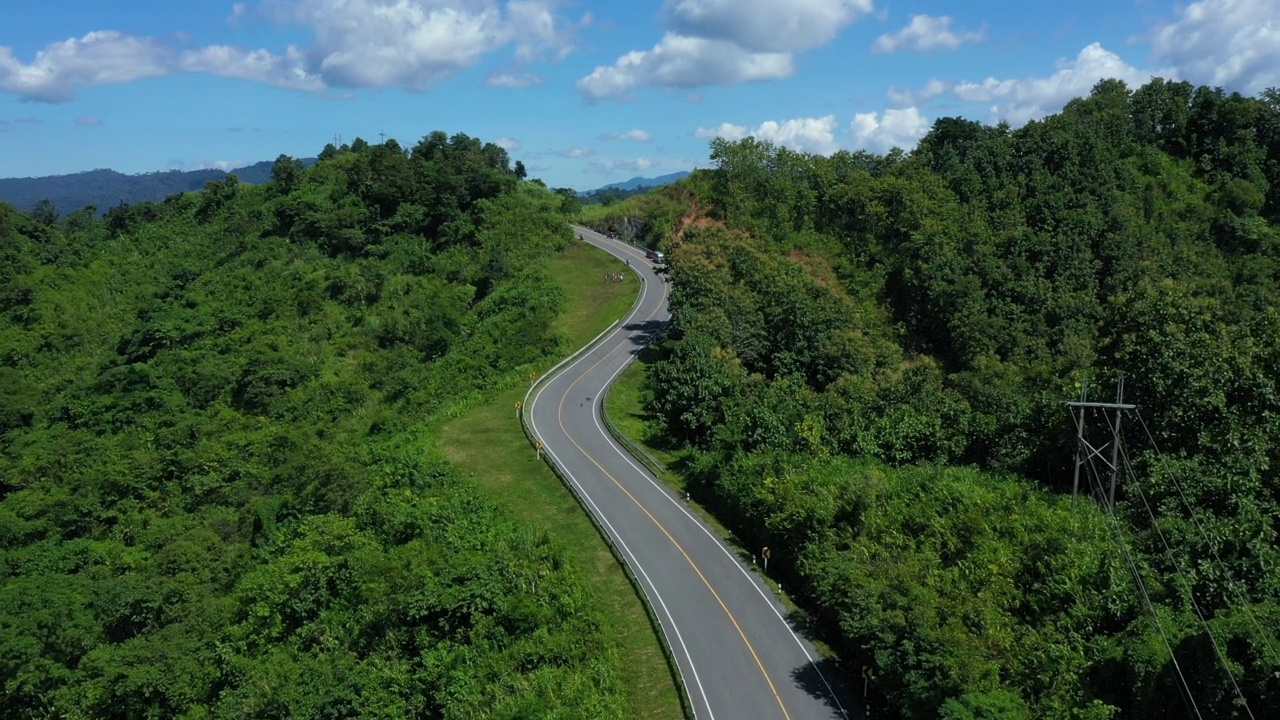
{"type": "Point", "coordinates": [736, 652]}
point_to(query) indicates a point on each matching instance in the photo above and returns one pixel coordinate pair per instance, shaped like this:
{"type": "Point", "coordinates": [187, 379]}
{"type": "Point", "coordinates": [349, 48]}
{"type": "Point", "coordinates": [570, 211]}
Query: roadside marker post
{"type": "Point", "coordinates": [766, 554]}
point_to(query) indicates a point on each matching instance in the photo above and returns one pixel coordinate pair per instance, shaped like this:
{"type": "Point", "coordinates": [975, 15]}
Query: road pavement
{"type": "Point", "coordinates": [737, 654]}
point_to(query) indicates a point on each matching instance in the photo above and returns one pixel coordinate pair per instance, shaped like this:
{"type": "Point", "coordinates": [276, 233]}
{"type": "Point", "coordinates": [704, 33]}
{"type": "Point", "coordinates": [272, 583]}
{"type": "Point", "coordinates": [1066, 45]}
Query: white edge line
{"type": "Point", "coordinates": [580, 352]}
{"type": "Point", "coordinates": [648, 586]}
{"type": "Point", "coordinates": [754, 583]}
{"type": "Point", "coordinates": [548, 379]}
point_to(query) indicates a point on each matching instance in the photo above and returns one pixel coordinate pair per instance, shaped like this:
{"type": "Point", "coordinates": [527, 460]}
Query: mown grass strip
{"type": "Point", "coordinates": [625, 405]}
{"type": "Point", "coordinates": [488, 443]}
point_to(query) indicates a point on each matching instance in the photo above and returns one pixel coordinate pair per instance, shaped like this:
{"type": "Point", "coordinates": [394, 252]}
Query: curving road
{"type": "Point", "coordinates": [737, 655]}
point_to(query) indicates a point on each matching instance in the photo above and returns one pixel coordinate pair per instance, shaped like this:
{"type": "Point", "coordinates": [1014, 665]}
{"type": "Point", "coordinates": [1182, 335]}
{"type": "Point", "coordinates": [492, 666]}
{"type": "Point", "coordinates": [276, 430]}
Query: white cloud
{"type": "Point", "coordinates": [926, 32]}
{"type": "Point", "coordinates": [728, 131]}
{"type": "Point", "coordinates": [223, 165]}
{"type": "Point", "coordinates": [896, 128]}
{"type": "Point", "coordinates": [578, 153]}
{"type": "Point", "coordinates": [1029, 98]}
{"type": "Point", "coordinates": [815, 135]}
{"type": "Point", "coordinates": [414, 44]}
{"type": "Point", "coordinates": [1230, 43]}
{"type": "Point", "coordinates": [410, 44]}
{"type": "Point", "coordinates": [284, 71]}
{"type": "Point", "coordinates": [678, 61]}
{"type": "Point", "coordinates": [907, 98]}
{"type": "Point", "coordinates": [623, 165]}
{"type": "Point", "coordinates": [84, 120]}
{"type": "Point", "coordinates": [508, 144]}
{"type": "Point", "coordinates": [99, 58]}
{"type": "Point", "coordinates": [513, 80]}
{"type": "Point", "coordinates": [765, 25]}
{"type": "Point", "coordinates": [634, 134]}
{"type": "Point", "coordinates": [724, 42]}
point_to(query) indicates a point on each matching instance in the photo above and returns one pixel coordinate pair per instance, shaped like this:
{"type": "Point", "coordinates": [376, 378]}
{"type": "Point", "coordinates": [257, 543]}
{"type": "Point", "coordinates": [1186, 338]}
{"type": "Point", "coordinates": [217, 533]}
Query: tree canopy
{"type": "Point", "coordinates": [867, 365]}
{"type": "Point", "coordinates": [220, 498]}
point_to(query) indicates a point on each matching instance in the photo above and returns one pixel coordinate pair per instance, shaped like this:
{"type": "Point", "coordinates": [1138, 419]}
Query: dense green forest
{"type": "Point", "coordinates": [866, 372]}
{"type": "Point", "coordinates": [219, 499]}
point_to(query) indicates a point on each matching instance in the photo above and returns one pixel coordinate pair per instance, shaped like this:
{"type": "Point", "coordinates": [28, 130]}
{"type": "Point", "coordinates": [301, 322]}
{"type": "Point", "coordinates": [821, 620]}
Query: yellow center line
{"type": "Point", "coordinates": [692, 564]}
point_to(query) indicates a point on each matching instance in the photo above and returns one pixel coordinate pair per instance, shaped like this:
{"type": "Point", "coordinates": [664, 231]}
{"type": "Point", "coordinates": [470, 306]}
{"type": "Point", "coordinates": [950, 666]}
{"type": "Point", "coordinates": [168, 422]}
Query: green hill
{"type": "Point", "coordinates": [867, 370]}
{"type": "Point", "coordinates": [221, 495]}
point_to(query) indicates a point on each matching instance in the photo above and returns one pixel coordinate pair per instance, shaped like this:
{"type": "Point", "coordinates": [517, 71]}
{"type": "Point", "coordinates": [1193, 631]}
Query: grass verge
{"type": "Point", "coordinates": [488, 443]}
{"type": "Point", "coordinates": [591, 302]}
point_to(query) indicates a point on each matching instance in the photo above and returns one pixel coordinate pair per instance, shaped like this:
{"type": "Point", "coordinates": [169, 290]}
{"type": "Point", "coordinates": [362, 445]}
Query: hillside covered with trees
{"type": "Point", "coordinates": [866, 372]}
{"type": "Point", "coordinates": [219, 500]}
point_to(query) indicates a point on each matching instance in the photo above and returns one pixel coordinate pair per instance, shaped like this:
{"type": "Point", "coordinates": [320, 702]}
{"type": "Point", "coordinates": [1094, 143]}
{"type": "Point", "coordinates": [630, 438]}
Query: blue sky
{"type": "Point", "coordinates": [585, 92]}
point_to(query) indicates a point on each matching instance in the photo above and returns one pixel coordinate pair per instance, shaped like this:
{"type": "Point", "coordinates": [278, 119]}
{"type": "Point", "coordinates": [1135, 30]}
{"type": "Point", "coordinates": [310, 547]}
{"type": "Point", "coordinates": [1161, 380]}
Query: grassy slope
{"type": "Point", "coordinates": [487, 442]}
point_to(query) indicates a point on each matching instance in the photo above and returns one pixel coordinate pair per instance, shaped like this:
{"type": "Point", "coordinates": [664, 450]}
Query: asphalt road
{"type": "Point", "coordinates": [737, 654]}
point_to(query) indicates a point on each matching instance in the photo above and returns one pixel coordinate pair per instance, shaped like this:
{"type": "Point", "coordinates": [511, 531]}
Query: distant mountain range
{"type": "Point", "coordinates": [639, 182]}
{"type": "Point", "coordinates": [107, 188]}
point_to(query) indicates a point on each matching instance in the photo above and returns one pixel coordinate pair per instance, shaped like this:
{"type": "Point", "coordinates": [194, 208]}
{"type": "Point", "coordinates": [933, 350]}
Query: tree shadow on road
{"type": "Point", "coordinates": [643, 332]}
{"type": "Point", "coordinates": [827, 681]}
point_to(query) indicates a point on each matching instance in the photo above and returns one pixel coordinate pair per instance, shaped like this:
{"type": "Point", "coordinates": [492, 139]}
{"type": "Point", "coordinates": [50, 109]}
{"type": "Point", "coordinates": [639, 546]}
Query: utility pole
{"type": "Point", "coordinates": [1086, 451]}
{"type": "Point", "coordinates": [382, 138]}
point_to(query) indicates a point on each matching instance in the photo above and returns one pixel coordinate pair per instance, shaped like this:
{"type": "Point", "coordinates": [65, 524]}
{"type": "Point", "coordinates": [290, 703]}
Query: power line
{"type": "Point", "coordinates": [1213, 547]}
{"type": "Point", "coordinates": [1217, 648]}
{"type": "Point", "coordinates": [1096, 481]}
{"type": "Point", "coordinates": [1085, 449]}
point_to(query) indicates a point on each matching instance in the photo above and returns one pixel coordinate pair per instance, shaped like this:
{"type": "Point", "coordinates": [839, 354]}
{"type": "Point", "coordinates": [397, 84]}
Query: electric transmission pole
{"type": "Point", "coordinates": [1086, 451]}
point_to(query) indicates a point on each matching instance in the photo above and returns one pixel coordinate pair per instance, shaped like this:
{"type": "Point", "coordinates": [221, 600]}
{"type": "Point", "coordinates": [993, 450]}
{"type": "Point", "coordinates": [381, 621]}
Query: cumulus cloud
{"type": "Point", "coordinates": [578, 153]}
{"type": "Point", "coordinates": [679, 61]}
{"type": "Point", "coordinates": [634, 134]}
{"type": "Point", "coordinates": [507, 143]}
{"type": "Point", "coordinates": [621, 165]}
{"type": "Point", "coordinates": [99, 58]}
{"type": "Point", "coordinates": [1229, 43]}
{"type": "Point", "coordinates": [765, 25]}
{"type": "Point", "coordinates": [410, 44]}
{"type": "Point", "coordinates": [926, 32]}
{"type": "Point", "coordinates": [223, 165]}
{"type": "Point", "coordinates": [724, 42]}
{"type": "Point", "coordinates": [287, 71]}
{"type": "Point", "coordinates": [814, 135]}
{"type": "Point", "coordinates": [1029, 98]}
{"type": "Point", "coordinates": [414, 44]}
{"type": "Point", "coordinates": [895, 128]}
{"type": "Point", "coordinates": [728, 131]}
{"type": "Point", "coordinates": [907, 98]}
{"type": "Point", "coordinates": [513, 80]}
